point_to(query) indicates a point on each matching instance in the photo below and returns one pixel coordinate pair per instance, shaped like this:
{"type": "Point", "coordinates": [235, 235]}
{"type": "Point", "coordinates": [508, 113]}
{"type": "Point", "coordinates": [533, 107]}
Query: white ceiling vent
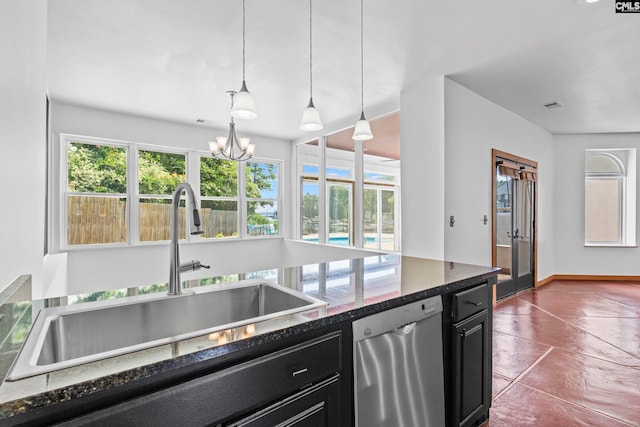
{"type": "Point", "coordinates": [552, 105]}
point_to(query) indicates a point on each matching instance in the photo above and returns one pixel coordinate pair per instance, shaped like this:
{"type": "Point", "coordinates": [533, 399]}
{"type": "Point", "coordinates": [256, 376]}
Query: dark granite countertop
{"type": "Point", "coordinates": [352, 288]}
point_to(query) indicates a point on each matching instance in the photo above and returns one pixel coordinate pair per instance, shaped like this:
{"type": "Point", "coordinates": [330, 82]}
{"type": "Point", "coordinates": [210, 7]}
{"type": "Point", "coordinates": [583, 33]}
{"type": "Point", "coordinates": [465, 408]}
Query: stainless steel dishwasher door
{"type": "Point", "coordinates": [398, 368]}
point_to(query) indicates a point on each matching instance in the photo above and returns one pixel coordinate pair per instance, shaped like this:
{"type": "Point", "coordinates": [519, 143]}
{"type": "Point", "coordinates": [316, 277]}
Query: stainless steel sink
{"type": "Point", "coordinates": [67, 336]}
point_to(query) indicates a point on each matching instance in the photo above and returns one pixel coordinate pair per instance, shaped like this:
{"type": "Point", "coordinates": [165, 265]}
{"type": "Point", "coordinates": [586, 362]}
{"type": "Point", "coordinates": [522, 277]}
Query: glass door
{"type": "Point", "coordinates": [379, 218]}
{"type": "Point", "coordinates": [523, 234]}
{"type": "Point", "coordinates": [309, 211]}
{"type": "Point", "coordinates": [339, 213]}
{"type": "Point", "coordinates": [514, 225]}
{"type": "Point", "coordinates": [503, 216]}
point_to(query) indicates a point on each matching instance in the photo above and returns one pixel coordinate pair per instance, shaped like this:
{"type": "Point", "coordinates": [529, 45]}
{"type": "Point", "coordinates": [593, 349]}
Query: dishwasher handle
{"type": "Point", "coordinates": [405, 329]}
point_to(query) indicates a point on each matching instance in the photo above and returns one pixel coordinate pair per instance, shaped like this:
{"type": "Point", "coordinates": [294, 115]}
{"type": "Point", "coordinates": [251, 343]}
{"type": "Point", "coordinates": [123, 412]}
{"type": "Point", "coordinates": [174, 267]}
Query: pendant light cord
{"type": "Point", "coordinates": [310, 52]}
{"type": "Point", "coordinates": [362, 55]}
{"type": "Point", "coordinates": [243, 41]}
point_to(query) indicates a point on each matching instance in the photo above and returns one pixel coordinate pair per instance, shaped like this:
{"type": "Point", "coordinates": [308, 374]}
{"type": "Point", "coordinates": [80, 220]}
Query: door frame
{"type": "Point", "coordinates": [495, 154]}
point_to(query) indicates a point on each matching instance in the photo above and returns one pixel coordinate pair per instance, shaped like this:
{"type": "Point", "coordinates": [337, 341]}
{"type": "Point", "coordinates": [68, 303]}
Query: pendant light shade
{"type": "Point", "coordinates": [244, 106]}
{"type": "Point", "coordinates": [310, 117]}
{"type": "Point", "coordinates": [362, 130]}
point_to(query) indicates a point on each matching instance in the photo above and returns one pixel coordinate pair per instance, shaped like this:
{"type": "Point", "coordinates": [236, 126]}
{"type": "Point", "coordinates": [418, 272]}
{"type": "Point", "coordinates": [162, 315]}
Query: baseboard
{"type": "Point", "coordinates": [545, 281]}
{"type": "Point", "coordinates": [590, 277]}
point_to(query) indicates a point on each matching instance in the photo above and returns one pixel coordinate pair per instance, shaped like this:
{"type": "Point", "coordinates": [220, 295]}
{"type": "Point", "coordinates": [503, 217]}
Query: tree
{"type": "Point", "coordinates": [160, 173]}
{"type": "Point", "coordinates": [339, 203]}
{"type": "Point", "coordinates": [259, 177]}
{"type": "Point", "coordinates": [96, 168]}
{"type": "Point", "coordinates": [310, 205]}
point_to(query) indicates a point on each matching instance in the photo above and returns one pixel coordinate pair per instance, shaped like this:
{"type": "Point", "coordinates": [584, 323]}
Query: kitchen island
{"type": "Point", "coordinates": [353, 288]}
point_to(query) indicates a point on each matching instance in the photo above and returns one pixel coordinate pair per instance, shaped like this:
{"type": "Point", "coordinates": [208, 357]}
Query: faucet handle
{"type": "Point", "coordinates": [192, 265]}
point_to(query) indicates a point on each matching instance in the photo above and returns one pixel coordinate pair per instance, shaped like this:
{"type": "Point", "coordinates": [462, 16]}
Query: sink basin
{"type": "Point", "coordinates": [67, 336]}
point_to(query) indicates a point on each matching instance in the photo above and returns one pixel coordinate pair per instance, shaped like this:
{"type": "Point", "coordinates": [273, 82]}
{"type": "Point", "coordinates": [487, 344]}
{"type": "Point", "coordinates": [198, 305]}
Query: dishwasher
{"type": "Point", "coordinates": [398, 367]}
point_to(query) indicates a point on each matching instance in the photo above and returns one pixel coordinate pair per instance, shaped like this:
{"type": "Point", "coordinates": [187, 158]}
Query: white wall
{"type": "Point", "coordinates": [111, 268]}
{"type": "Point", "coordinates": [572, 257]}
{"type": "Point", "coordinates": [422, 147]}
{"type": "Point", "coordinates": [473, 126]}
{"type": "Point", "coordinates": [23, 31]}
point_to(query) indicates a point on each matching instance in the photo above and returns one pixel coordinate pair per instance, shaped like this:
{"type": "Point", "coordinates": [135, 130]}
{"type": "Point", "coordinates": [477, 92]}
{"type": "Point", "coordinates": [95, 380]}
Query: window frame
{"type": "Point", "coordinates": [135, 210]}
{"type": "Point", "coordinates": [626, 195]}
{"type": "Point", "coordinates": [64, 192]}
{"type": "Point", "coordinates": [236, 199]}
{"type": "Point", "coordinates": [246, 199]}
{"type": "Point", "coordinates": [59, 221]}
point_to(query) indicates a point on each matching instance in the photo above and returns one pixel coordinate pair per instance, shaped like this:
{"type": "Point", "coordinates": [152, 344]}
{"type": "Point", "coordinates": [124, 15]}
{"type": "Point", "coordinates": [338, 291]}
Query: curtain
{"type": "Point", "coordinates": [516, 171]}
{"type": "Point", "coordinates": [529, 175]}
{"type": "Point", "coordinates": [508, 169]}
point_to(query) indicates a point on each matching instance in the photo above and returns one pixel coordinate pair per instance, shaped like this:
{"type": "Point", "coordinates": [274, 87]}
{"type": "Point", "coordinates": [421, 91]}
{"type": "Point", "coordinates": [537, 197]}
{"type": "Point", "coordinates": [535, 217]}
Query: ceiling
{"type": "Point", "coordinates": [175, 60]}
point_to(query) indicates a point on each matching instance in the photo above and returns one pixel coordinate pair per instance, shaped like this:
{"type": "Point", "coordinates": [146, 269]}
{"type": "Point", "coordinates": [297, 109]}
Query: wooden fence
{"type": "Point", "coordinates": [99, 220]}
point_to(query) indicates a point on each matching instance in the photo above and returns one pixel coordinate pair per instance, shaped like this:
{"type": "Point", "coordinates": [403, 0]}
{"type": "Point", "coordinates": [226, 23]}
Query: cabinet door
{"type": "Point", "coordinates": [471, 370]}
{"type": "Point", "coordinates": [317, 406]}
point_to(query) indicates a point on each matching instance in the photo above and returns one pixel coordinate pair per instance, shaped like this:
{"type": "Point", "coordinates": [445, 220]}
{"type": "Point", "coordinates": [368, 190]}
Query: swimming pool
{"type": "Point", "coordinates": [340, 240]}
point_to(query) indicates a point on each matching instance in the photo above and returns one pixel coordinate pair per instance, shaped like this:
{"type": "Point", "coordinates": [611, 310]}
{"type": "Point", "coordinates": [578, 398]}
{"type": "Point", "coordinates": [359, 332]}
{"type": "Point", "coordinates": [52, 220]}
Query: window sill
{"type": "Point", "coordinates": [163, 243]}
{"type": "Point", "coordinates": [609, 246]}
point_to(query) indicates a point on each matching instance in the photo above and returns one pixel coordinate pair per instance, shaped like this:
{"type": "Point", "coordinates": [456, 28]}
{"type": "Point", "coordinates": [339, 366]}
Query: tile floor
{"type": "Point", "coordinates": [567, 354]}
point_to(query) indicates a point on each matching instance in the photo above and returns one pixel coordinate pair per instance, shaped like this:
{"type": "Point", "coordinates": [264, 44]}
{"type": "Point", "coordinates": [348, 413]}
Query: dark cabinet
{"type": "Point", "coordinates": [316, 406]}
{"type": "Point", "coordinates": [468, 354]}
{"type": "Point", "coordinates": [295, 386]}
{"type": "Point", "coordinates": [470, 376]}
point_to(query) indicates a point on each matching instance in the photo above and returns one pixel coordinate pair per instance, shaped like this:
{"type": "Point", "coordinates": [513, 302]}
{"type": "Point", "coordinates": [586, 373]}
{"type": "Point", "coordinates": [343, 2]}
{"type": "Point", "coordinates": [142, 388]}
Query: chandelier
{"type": "Point", "coordinates": [231, 147]}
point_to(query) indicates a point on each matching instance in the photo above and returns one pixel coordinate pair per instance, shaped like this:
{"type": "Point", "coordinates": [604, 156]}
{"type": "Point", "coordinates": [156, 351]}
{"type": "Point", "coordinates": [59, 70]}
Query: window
{"type": "Point", "coordinates": [261, 186]}
{"type": "Point", "coordinates": [221, 200]}
{"type": "Point", "coordinates": [610, 197]}
{"type": "Point", "coordinates": [379, 177]}
{"type": "Point", "coordinates": [310, 210]}
{"type": "Point", "coordinates": [219, 197]}
{"type": "Point", "coordinates": [346, 199]}
{"type": "Point", "coordinates": [158, 176]}
{"type": "Point", "coordinates": [339, 215]}
{"type": "Point", "coordinates": [379, 218]}
{"type": "Point", "coordinates": [96, 195]}
{"type": "Point", "coordinates": [121, 193]}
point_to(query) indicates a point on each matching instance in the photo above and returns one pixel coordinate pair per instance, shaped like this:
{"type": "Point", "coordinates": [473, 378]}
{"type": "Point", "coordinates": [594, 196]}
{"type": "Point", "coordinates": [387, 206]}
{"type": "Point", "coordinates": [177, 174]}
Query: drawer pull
{"type": "Point", "coordinates": [475, 304]}
{"type": "Point", "coordinates": [299, 371]}
{"type": "Point", "coordinates": [465, 333]}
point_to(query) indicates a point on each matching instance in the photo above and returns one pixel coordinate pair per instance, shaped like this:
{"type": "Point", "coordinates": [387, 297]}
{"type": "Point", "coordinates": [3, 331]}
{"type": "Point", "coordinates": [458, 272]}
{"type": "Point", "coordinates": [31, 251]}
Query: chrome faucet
{"type": "Point", "coordinates": [175, 286]}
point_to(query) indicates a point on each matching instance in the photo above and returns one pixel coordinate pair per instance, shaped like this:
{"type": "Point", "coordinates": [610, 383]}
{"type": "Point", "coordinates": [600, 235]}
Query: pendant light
{"type": "Point", "coordinates": [310, 117]}
{"type": "Point", "coordinates": [362, 130]}
{"type": "Point", "coordinates": [244, 106]}
{"type": "Point", "coordinates": [231, 147]}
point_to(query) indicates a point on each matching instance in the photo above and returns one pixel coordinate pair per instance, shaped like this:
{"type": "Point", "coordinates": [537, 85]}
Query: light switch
{"type": "Point", "coordinates": [452, 221]}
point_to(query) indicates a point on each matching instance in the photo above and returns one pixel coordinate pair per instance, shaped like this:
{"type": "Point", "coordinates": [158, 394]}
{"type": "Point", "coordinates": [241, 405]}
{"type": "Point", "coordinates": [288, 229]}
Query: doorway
{"type": "Point", "coordinates": [514, 220]}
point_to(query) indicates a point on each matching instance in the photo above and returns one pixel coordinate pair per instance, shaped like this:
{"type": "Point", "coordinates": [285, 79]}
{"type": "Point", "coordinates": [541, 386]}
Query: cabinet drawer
{"type": "Point", "coordinates": [229, 392]}
{"type": "Point", "coordinates": [470, 302]}
{"type": "Point", "coordinates": [318, 405]}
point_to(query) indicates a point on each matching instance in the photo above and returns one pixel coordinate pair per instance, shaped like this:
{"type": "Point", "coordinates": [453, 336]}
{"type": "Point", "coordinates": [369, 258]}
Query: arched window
{"type": "Point", "coordinates": [610, 197]}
